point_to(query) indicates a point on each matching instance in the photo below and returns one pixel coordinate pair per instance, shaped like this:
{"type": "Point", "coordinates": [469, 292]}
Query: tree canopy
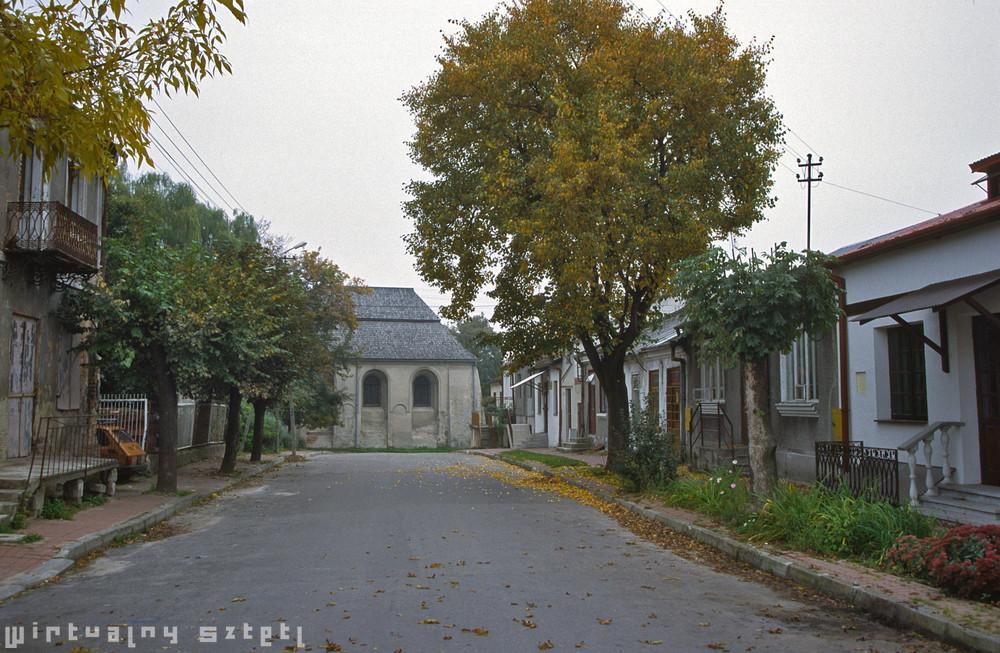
{"type": "Point", "coordinates": [195, 303]}
{"type": "Point", "coordinates": [75, 74]}
{"type": "Point", "coordinates": [743, 308]}
{"type": "Point", "coordinates": [576, 151]}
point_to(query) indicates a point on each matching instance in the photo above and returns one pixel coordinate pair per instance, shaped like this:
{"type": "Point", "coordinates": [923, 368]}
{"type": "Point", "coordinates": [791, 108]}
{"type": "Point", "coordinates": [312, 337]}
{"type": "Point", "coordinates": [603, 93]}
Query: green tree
{"type": "Point", "coordinates": [75, 74]}
{"type": "Point", "coordinates": [310, 310]}
{"type": "Point", "coordinates": [576, 151]}
{"type": "Point", "coordinates": [742, 309]}
{"type": "Point", "coordinates": [151, 315]}
{"type": "Point", "coordinates": [477, 335]}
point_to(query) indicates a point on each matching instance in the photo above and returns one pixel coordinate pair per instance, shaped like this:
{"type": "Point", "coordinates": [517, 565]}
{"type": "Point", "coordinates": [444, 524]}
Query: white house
{"type": "Point", "coordinates": [923, 352]}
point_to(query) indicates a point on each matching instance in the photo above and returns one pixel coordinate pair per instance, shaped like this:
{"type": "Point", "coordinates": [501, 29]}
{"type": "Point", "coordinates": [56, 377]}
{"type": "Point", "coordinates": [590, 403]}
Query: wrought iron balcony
{"type": "Point", "coordinates": [52, 230]}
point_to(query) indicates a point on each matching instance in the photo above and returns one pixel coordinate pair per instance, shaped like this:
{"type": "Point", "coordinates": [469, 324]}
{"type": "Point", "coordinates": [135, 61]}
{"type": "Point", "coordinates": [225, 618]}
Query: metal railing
{"type": "Point", "coordinates": [871, 472]}
{"type": "Point", "coordinates": [925, 438]}
{"type": "Point", "coordinates": [128, 412]}
{"type": "Point", "coordinates": [52, 228]}
{"type": "Point", "coordinates": [63, 446]}
{"type": "Point", "coordinates": [725, 438]}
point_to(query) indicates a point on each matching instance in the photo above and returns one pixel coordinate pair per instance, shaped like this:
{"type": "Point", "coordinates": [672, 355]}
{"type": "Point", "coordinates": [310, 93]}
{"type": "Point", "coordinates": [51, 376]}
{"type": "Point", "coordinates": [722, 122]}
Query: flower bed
{"type": "Point", "coordinates": [965, 561]}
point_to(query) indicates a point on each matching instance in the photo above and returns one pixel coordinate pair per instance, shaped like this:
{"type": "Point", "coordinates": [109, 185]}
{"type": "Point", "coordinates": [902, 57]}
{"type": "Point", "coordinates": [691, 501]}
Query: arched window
{"type": "Point", "coordinates": [423, 389]}
{"type": "Point", "coordinates": [372, 390]}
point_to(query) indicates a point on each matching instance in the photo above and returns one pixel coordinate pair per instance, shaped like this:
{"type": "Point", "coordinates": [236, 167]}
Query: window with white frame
{"type": "Point", "coordinates": [712, 383]}
{"type": "Point", "coordinates": [798, 370]}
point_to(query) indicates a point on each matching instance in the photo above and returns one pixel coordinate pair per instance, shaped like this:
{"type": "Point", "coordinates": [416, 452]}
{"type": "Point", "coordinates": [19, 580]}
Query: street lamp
{"type": "Point", "coordinates": [294, 247]}
{"type": "Point", "coordinates": [291, 406]}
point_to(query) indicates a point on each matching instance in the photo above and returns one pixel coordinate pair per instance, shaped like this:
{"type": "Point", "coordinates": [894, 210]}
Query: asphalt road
{"type": "Point", "coordinates": [419, 553]}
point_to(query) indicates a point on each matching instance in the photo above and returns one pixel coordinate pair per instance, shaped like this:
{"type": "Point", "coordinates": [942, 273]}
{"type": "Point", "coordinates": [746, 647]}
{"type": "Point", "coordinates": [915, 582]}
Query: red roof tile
{"type": "Point", "coordinates": [986, 210]}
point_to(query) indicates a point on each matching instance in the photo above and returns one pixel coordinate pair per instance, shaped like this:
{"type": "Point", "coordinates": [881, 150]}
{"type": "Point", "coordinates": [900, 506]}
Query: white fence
{"type": "Point", "coordinates": [130, 412]}
{"type": "Point", "coordinates": [194, 426]}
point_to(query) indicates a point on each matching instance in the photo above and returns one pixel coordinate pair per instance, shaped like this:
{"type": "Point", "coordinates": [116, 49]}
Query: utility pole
{"type": "Point", "coordinates": [291, 426]}
{"type": "Point", "coordinates": [809, 180]}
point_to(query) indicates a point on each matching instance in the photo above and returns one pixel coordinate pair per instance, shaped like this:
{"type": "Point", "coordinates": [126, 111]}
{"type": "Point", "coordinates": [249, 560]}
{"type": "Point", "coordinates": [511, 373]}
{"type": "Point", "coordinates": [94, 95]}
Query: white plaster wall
{"type": "Point", "coordinates": [951, 396]}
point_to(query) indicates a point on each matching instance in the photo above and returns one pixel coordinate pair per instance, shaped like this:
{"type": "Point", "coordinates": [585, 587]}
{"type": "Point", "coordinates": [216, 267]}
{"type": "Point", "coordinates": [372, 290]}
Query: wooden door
{"type": "Point", "coordinates": [986, 347]}
{"type": "Point", "coordinates": [21, 395]}
{"type": "Point", "coordinates": [673, 402]}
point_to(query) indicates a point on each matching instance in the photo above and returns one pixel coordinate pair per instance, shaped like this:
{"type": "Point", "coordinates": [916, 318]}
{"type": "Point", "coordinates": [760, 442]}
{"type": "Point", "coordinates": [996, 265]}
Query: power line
{"type": "Point", "coordinates": [793, 133]}
{"type": "Point", "coordinates": [207, 167]}
{"type": "Point", "coordinates": [180, 171]}
{"type": "Point", "coordinates": [186, 158]}
{"type": "Point", "coordinates": [879, 197]}
{"type": "Point", "coordinates": [865, 193]}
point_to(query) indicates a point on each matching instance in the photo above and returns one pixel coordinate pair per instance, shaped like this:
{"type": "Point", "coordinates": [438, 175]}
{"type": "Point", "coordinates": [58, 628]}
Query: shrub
{"type": "Point", "coordinates": [834, 522]}
{"type": "Point", "coordinates": [56, 509]}
{"type": "Point", "coordinates": [965, 561]}
{"type": "Point", "coordinates": [723, 494]}
{"type": "Point", "coordinates": [650, 457]}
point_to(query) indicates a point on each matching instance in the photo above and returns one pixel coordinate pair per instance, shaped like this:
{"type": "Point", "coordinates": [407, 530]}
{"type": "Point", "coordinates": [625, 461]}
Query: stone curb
{"type": "Point", "coordinates": [72, 551]}
{"type": "Point", "coordinates": [882, 606]}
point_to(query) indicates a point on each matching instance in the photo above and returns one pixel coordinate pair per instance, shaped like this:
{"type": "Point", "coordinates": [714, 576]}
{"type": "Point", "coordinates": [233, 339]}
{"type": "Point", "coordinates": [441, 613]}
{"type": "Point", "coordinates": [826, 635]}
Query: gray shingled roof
{"type": "Point", "coordinates": [395, 324]}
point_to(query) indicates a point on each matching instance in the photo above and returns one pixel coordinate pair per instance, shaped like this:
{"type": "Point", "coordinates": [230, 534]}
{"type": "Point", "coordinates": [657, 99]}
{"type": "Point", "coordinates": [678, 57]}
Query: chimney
{"type": "Point", "coordinates": [990, 166]}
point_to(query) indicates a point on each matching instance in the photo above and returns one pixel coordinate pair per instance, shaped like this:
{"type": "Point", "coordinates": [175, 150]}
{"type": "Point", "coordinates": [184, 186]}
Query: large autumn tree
{"type": "Point", "coordinates": [75, 74]}
{"type": "Point", "coordinates": [575, 151]}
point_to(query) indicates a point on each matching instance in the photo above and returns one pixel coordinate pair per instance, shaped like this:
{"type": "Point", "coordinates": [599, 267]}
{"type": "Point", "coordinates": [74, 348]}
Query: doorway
{"type": "Point", "coordinates": [986, 350]}
{"type": "Point", "coordinates": [21, 395]}
{"type": "Point", "coordinates": [673, 403]}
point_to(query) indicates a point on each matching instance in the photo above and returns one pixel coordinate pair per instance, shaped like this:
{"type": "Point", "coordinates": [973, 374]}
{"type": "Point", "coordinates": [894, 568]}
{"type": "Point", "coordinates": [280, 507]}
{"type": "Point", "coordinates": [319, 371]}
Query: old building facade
{"type": "Point", "coordinates": [412, 384]}
{"type": "Point", "coordinates": [51, 227]}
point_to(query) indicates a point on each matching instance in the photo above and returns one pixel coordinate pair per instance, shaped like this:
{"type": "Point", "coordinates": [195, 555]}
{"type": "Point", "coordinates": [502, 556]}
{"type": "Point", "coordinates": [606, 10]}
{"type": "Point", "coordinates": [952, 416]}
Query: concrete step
{"type": "Point", "coordinates": [961, 506]}
{"type": "Point", "coordinates": [977, 491]}
{"type": "Point", "coordinates": [9, 495]}
{"type": "Point", "coordinates": [957, 514]}
{"type": "Point", "coordinates": [585, 444]}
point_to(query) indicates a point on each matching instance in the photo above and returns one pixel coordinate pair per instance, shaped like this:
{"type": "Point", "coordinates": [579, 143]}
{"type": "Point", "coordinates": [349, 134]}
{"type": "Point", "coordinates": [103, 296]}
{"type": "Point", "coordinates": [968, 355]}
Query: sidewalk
{"type": "Point", "coordinates": [133, 508]}
{"type": "Point", "coordinates": [596, 458]}
{"type": "Point", "coordinates": [899, 601]}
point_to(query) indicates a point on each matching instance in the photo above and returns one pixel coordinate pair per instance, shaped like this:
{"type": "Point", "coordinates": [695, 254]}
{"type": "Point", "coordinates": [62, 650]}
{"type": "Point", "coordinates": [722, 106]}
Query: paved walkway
{"type": "Point", "coordinates": [131, 500]}
{"type": "Point", "coordinates": [598, 458]}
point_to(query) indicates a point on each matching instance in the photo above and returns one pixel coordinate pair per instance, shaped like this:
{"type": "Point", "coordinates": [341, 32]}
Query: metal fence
{"type": "Point", "coordinates": [866, 471]}
{"type": "Point", "coordinates": [65, 445]}
{"type": "Point", "coordinates": [128, 412]}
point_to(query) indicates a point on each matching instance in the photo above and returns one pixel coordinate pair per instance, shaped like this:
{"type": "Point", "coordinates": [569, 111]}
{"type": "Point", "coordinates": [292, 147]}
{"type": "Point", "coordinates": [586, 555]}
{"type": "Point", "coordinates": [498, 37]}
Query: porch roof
{"type": "Point", "coordinates": [935, 296]}
{"type": "Point", "coordinates": [533, 376]}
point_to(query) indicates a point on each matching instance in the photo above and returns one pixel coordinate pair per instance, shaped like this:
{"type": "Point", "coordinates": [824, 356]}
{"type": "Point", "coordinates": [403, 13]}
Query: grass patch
{"type": "Point", "coordinates": [813, 518]}
{"type": "Point", "coordinates": [544, 458]}
{"type": "Point", "coordinates": [396, 450]}
{"type": "Point", "coordinates": [31, 537]}
{"type": "Point", "coordinates": [58, 509]}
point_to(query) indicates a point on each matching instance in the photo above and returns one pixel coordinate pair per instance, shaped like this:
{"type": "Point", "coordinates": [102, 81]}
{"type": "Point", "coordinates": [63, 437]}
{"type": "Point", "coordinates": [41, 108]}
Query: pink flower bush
{"type": "Point", "coordinates": [965, 561]}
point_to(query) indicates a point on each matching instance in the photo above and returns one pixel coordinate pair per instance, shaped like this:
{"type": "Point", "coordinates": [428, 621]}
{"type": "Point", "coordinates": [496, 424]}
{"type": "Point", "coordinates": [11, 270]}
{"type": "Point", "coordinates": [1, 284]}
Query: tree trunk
{"type": "Point", "coordinates": [763, 462]}
{"type": "Point", "coordinates": [612, 378]}
{"type": "Point", "coordinates": [259, 412]}
{"type": "Point", "coordinates": [232, 436]}
{"type": "Point", "coordinates": [166, 403]}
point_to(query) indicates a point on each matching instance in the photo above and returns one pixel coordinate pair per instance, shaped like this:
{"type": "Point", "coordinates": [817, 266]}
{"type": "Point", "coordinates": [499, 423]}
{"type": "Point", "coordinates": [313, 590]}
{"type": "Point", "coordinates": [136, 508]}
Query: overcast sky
{"type": "Point", "coordinates": [308, 132]}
